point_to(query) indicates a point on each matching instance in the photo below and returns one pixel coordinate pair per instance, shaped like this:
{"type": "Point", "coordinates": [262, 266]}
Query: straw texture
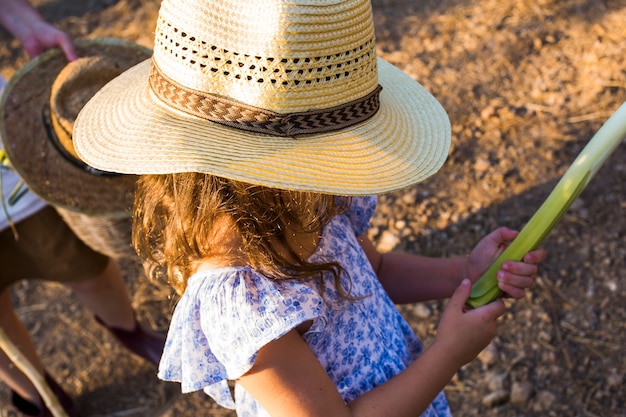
{"type": "Point", "coordinates": [109, 235]}
{"type": "Point", "coordinates": [37, 115]}
{"type": "Point", "coordinates": [283, 57]}
{"type": "Point", "coordinates": [25, 123]}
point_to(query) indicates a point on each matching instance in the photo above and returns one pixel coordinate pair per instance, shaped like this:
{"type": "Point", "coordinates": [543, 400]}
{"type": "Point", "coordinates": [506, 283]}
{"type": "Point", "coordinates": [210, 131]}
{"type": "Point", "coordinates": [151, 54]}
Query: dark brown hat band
{"type": "Point", "coordinates": [253, 119]}
{"type": "Point", "coordinates": [57, 142]}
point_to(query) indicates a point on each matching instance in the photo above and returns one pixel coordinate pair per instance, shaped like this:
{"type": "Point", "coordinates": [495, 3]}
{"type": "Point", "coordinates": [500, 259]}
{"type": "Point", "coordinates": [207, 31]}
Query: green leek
{"type": "Point", "coordinates": [571, 184]}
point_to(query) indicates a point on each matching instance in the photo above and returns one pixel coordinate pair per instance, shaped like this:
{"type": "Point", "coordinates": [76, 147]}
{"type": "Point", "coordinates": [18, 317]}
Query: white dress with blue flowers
{"type": "Point", "coordinates": [227, 314]}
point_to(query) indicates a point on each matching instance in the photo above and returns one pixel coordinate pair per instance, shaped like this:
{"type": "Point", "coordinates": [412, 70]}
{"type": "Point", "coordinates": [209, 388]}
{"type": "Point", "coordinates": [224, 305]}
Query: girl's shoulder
{"type": "Point", "coordinates": [360, 213]}
{"type": "Point", "coordinates": [242, 290]}
{"type": "Point", "coordinates": [225, 282]}
{"type": "Point", "coordinates": [229, 313]}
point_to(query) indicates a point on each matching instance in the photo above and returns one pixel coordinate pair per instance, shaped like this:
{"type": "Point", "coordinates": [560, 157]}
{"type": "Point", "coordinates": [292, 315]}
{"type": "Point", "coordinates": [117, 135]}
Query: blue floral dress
{"type": "Point", "coordinates": [227, 314]}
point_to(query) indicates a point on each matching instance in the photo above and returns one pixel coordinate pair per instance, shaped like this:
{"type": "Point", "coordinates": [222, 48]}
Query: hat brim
{"type": "Point", "coordinates": [49, 174]}
{"type": "Point", "coordinates": [125, 128]}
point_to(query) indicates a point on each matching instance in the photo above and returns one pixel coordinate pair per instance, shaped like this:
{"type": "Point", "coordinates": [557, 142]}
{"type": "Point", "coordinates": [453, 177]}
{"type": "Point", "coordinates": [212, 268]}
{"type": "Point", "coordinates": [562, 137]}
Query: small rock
{"type": "Point", "coordinates": [614, 380]}
{"type": "Point", "coordinates": [545, 399]}
{"type": "Point", "coordinates": [489, 355]}
{"type": "Point", "coordinates": [521, 392]}
{"type": "Point", "coordinates": [400, 224]}
{"type": "Point", "coordinates": [495, 381]}
{"type": "Point", "coordinates": [422, 311]}
{"type": "Point", "coordinates": [388, 241]}
{"type": "Point", "coordinates": [495, 398]}
{"type": "Point", "coordinates": [611, 285]}
{"type": "Point", "coordinates": [487, 112]}
{"type": "Point", "coordinates": [481, 165]}
{"type": "Point", "coordinates": [545, 336]}
{"type": "Point", "coordinates": [409, 199]}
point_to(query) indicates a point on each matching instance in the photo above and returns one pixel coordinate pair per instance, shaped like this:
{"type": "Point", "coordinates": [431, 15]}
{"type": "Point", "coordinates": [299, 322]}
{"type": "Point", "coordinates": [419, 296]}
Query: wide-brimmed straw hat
{"type": "Point", "coordinates": [37, 113]}
{"type": "Point", "coordinates": [284, 94]}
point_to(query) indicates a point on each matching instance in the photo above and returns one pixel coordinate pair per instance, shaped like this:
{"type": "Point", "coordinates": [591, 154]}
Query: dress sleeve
{"type": "Point", "coordinates": [221, 329]}
{"type": "Point", "coordinates": [360, 213]}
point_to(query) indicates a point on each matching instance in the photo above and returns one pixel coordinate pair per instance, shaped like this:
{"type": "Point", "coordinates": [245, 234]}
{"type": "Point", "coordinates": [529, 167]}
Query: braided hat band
{"type": "Point", "coordinates": [242, 116]}
{"type": "Point", "coordinates": [282, 93]}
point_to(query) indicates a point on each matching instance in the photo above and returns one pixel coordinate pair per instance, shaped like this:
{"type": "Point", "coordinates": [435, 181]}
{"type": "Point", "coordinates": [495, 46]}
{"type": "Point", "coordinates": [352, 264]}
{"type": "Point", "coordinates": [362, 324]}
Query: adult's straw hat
{"type": "Point", "coordinates": [279, 93]}
{"type": "Point", "coordinates": [37, 112]}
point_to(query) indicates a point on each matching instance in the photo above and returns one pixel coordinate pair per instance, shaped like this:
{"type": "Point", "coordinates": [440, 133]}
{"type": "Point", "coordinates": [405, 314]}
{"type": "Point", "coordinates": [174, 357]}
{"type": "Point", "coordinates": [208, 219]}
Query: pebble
{"type": "Point", "coordinates": [545, 399]}
{"type": "Point", "coordinates": [611, 285]}
{"type": "Point", "coordinates": [544, 336]}
{"type": "Point", "coordinates": [614, 380]}
{"type": "Point", "coordinates": [400, 224]}
{"type": "Point", "coordinates": [409, 199]}
{"type": "Point", "coordinates": [495, 398]}
{"type": "Point", "coordinates": [495, 381]}
{"type": "Point", "coordinates": [481, 165]}
{"type": "Point", "coordinates": [422, 311]}
{"type": "Point", "coordinates": [489, 355]}
{"type": "Point", "coordinates": [521, 392]}
{"type": "Point", "coordinates": [387, 242]}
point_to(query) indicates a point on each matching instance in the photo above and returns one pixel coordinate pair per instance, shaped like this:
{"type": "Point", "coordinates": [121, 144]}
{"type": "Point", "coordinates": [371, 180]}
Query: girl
{"type": "Point", "coordinates": [288, 296]}
{"type": "Point", "coordinates": [259, 130]}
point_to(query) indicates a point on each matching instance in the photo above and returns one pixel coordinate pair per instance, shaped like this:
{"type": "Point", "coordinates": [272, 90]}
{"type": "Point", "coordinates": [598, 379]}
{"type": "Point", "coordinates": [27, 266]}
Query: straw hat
{"type": "Point", "coordinates": [37, 112]}
{"type": "Point", "coordinates": [38, 141]}
{"type": "Point", "coordinates": [281, 93]}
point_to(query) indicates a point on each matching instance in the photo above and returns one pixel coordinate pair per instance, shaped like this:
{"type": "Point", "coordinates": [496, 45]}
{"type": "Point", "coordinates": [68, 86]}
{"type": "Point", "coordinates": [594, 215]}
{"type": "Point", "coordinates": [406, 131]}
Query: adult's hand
{"type": "Point", "coordinates": [34, 33]}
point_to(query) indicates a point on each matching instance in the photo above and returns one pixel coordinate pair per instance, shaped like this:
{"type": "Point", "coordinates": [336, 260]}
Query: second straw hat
{"type": "Point", "coordinates": [36, 125]}
{"type": "Point", "coordinates": [37, 112]}
{"type": "Point", "coordinates": [284, 94]}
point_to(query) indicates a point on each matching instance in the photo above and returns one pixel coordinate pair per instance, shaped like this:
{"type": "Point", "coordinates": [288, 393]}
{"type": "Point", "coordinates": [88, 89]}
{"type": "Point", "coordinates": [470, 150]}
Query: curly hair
{"type": "Point", "coordinates": [177, 222]}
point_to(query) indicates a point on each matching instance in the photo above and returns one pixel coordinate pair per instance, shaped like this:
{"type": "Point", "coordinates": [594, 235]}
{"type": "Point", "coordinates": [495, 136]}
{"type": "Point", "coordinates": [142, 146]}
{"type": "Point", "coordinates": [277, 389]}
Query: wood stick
{"type": "Point", "coordinates": [13, 353]}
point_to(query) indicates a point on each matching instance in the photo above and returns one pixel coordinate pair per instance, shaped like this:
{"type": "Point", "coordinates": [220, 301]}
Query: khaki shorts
{"type": "Point", "coordinates": [46, 249]}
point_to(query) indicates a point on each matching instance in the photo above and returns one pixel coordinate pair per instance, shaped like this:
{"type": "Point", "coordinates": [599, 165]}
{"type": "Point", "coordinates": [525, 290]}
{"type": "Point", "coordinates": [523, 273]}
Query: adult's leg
{"type": "Point", "coordinates": [107, 297]}
{"type": "Point", "coordinates": [20, 259]}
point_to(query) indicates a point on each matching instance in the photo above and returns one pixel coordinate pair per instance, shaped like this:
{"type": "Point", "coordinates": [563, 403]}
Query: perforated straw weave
{"type": "Point", "coordinates": [313, 62]}
{"type": "Point", "coordinates": [280, 56]}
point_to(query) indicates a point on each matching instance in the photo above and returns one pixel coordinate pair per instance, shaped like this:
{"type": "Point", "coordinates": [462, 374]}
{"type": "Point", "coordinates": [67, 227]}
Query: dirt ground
{"type": "Point", "coordinates": [526, 85]}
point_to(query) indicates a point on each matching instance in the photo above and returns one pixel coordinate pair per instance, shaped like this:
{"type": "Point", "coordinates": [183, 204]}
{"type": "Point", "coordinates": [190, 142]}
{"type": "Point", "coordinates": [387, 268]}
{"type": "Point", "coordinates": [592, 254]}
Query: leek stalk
{"type": "Point", "coordinates": [569, 187]}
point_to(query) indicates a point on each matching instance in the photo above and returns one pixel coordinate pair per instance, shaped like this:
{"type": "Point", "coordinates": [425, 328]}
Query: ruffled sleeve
{"type": "Point", "coordinates": [224, 318]}
{"type": "Point", "coordinates": [360, 213]}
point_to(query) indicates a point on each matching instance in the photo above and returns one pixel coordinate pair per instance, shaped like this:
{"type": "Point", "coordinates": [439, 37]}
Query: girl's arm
{"type": "Point", "coordinates": [410, 278]}
{"type": "Point", "coordinates": [288, 380]}
{"type": "Point", "coordinates": [35, 34]}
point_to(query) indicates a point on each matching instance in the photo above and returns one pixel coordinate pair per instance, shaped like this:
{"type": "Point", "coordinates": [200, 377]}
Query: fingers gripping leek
{"type": "Point", "coordinates": [571, 184]}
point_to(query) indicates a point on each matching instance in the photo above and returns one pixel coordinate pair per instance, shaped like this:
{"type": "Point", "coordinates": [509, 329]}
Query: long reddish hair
{"type": "Point", "coordinates": [177, 216]}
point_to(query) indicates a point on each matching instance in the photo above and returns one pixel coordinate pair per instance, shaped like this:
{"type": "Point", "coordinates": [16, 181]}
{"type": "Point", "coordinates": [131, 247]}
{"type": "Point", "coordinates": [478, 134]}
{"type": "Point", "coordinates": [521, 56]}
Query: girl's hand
{"type": "Point", "coordinates": [464, 333]}
{"type": "Point", "coordinates": [514, 277]}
